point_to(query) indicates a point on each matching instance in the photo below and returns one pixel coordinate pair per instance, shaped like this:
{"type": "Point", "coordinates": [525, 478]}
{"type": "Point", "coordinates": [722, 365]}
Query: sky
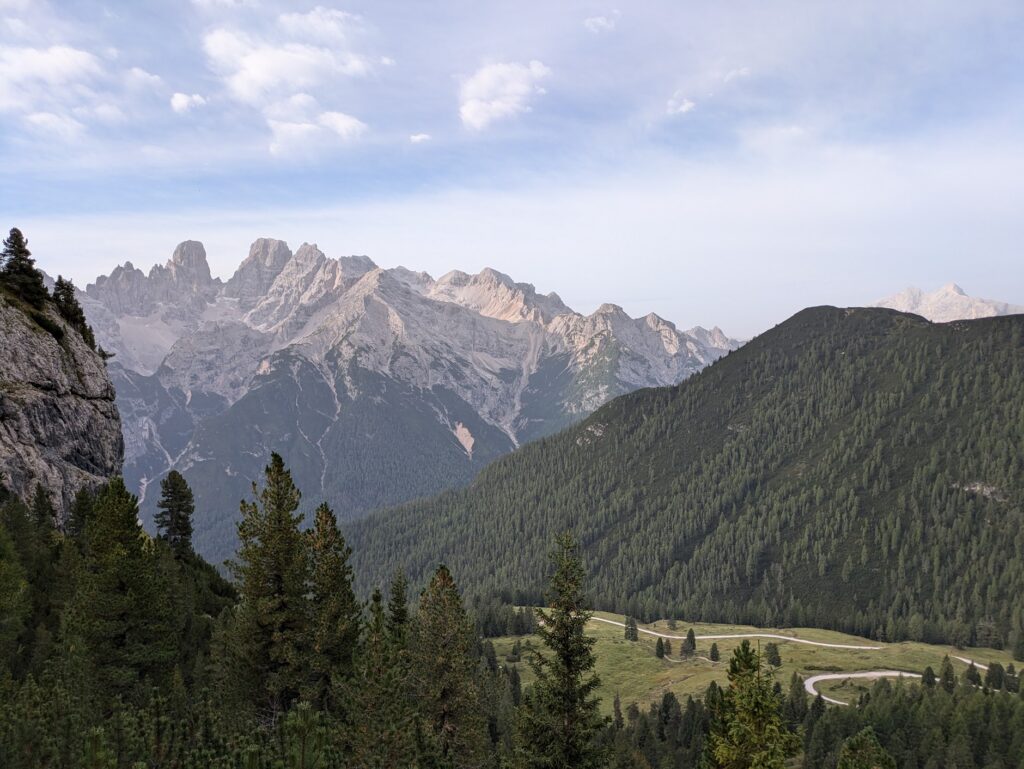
{"type": "Point", "coordinates": [720, 163]}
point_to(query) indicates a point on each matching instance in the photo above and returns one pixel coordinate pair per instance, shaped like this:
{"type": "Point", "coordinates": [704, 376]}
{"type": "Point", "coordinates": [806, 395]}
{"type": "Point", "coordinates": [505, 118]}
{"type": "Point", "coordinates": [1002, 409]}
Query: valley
{"type": "Point", "coordinates": [833, 664]}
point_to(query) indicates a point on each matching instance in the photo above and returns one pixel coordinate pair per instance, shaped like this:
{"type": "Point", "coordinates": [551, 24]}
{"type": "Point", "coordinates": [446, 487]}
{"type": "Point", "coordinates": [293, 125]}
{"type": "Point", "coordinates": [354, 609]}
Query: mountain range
{"type": "Point", "coordinates": [947, 304]}
{"type": "Point", "coordinates": [379, 385]}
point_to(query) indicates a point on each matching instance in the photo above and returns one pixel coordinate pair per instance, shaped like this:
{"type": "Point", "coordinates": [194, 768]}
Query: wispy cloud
{"type": "Point", "coordinates": [601, 24]}
{"type": "Point", "coordinates": [679, 104]}
{"type": "Point", "coordinates": [419, 138]}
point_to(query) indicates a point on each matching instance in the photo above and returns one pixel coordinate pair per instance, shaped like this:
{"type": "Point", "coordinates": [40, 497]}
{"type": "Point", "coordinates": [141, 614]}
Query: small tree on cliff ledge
{"type": "Point", "coordinates": [19, 273]}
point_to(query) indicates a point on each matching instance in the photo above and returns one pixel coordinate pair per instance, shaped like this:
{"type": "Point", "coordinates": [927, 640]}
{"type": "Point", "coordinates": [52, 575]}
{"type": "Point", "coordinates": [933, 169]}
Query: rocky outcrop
{"type": "Point", "coordinates": [59, 426]}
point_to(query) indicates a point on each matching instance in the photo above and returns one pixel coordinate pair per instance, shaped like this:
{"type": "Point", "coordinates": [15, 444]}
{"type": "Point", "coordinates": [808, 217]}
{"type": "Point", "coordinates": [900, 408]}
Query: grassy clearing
{"type": "Point", "coordinates": [632, 670]}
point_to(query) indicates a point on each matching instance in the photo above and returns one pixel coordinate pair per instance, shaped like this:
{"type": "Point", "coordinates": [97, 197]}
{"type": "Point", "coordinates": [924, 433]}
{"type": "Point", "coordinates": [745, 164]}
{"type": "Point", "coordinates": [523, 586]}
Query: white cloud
{"type": "Point", "coordinates": [308, 137]}
{"type": "Point", "coordinates": [182, 102]}
{"type": "Point", "coordinates": [679, 104]}
{"type": "Point", "coordinates": [30, 75]}
{"type": "Point", "coordinates": [59, 126]}
{"type": "Point", "coordinates": [345, 126]}
{"type": "Point", "coordinates": [600, 24]}
{"type": "Point", "coordinates": [419, 138]}
{"type": "Point", "coordinates": [498, 91]}
{"type": "Point", "coordinates": [299, 107]}
{"type": "Point", "coordinates": [325, 25]}
{"type": "Point", "coordinates": [257, 72]}
{"type": "Point", "coordinates": [136, 77]}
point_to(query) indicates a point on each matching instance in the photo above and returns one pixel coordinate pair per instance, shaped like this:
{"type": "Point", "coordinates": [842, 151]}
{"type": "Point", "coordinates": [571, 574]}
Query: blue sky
{"type": "Point", "coordinates": [715, 162]}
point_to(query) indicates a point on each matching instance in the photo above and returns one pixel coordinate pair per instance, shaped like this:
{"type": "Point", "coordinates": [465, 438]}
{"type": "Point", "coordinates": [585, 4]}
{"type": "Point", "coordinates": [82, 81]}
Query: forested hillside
{"type": "Point", "coordinates": [857, 469]}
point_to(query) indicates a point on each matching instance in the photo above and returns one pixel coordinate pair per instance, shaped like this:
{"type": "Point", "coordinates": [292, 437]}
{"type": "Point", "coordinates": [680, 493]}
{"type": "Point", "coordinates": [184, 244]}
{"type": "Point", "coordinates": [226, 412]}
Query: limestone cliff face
{"type": "Point", "coordinates": [58, 422]}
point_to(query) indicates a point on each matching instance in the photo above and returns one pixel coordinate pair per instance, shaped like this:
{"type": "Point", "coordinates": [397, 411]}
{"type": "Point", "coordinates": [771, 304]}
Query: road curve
{"type": "Point", "coordinates": [970, 662]}
{"type": "Point", "coordinates": [722, 636]}
{"type": "Point", "coordinates": [810, 683]}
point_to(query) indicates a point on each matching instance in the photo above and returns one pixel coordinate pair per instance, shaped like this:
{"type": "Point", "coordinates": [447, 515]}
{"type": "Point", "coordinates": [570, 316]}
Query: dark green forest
{"type": "Point", "coordinates": [856, 469]}
{"type": "Point", "coordinates": [122, 651]}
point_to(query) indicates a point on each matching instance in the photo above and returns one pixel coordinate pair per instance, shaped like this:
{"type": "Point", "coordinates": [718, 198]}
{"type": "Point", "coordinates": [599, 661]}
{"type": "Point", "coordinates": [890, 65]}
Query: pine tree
{"type": "Point", "coordinates": [750, 731]}
{"type": "Point", "coordinates": [690, 644]}
{"type": "Point", "coordinates": [272, 628]}
{"type": "Point", "coordinates": [123, 612]}
{"type": "Point", "coordinates": [444, 676]}
{"type": "Point", "coordinates": [947, 677]}
{"type": "Point", "coordinates": [928, 677]}
{"type": "Point", "coordinates": [335, 612]}
{"type": "Point", "coordinates": [19, 273]}
{"type": "Point", "coordinates": [15, 602]}
{"type": "Point", "coordinates": [560, 723]}
{"type": "Point", "coordinates": [659, 649]}
{"type": "Point", "coordinates": [384, 720]}
{"type": "Point", "coordinates": [67, 305]}
{"type": "Point", "coordinates": [668, 648]}
{"type": "Point", "coordinates": [714, 655]}
{"type": "Point", "coordinates": [398, 609]}
{"type": "Point", "coordinates": [79, 514]}
{"type": "Point", "coordinates": [174, 517]}
{"type": "Point", "coordinates": [972, 676]}
{"type": "Point", "coordinates": [772, 656]}
{"type": "Point", "coordinates": [862, 751]}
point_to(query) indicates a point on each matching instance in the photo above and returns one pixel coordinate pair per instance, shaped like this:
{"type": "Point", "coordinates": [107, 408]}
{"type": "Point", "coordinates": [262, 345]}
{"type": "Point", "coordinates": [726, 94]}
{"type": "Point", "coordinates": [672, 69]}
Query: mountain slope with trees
{"type": "Point", "coordinates": [858, 469]}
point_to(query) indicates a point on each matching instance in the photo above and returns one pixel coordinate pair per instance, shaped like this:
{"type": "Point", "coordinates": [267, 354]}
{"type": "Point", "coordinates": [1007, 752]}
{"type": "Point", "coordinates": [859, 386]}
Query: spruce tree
{"type": "Point", "coordinates": [398, 609]}
{"type": "Point", "coordinates": [15, 602]}
{"type": "Point", "coordinates": [444, 676]}
{"type": "Point", "coordinates": [862, 751]}
{"type": "Point", "coordinates": [67, 305]}
{"type": "Point", "coordinates": [174, 513]}
{"type": "Point", "coordinates": [270, 645]}
{"type": "Point", "coordinates": [123, 611]}
{"type": "Point", "coordinates": [19, 273]}
{"type": "Point", "coordinates": [749, 730]}
{"type": "Point", "coordinates": [714, 655]}
{"type": "Point", "coordinates": [560, 724]}
{"type": "Point", "coordinates": [771, 655]}
{"type": "Point", "coordinates": [690, 644]}
{"type": "Point", "coordinates": [334, 611]}
{"type": "Point", "coordinates": [384, 721]}
{"type": "Point", "coordinates": [79, 514]}
{"type": "Point", "coordinates": [659, 649]}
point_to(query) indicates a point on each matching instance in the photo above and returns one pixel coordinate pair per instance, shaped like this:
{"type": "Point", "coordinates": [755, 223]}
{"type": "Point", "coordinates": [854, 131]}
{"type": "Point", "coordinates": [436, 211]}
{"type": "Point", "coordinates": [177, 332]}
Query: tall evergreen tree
{"type": "Point", "coordinates": [19, 272]}
{"type": "Point", "coordinates": [334, 611]}
{"type": "Point", "coordinates": [174, 513]}
{"type": "Point", "coordinates": [560, 722]}
{"type": "Point", "coordinates": [67, 305]}
{"type": "Point", "coordinates": [750, 731]}
{"type": "Point", "coordinates": [270, 646]}
{"type": "Point", "coordinates": [862, 751]}
{"type": "Point", "coordinates": [123, 612]}
{"type": "Point", "coordinates": [384, 722]}
{"type": "Point", "coordinates": [79, 514]}
{"type": "Point", "coordinates": [398, 609]}
{"type": "Point", "coordinates": [444, 676]}
{"type": "Point", "coordinates": [15, 602]}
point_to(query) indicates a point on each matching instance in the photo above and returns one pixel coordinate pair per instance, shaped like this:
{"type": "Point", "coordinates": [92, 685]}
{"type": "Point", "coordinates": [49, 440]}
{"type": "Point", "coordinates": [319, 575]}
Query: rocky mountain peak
{"type": "Point", "coordinates": [947, 304]}
{"type": "Point", "coordinates": [254, 276]}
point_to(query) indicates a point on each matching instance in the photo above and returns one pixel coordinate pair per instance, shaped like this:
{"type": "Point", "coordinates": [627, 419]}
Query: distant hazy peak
{"type": "Point", "coordinates": [948, 303]}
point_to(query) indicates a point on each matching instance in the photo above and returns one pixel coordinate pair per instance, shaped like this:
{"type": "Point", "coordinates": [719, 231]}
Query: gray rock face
{"type": "Point", "coordinates": [254, 277]}
{"type": "Point", "coordinates": [59, 426]}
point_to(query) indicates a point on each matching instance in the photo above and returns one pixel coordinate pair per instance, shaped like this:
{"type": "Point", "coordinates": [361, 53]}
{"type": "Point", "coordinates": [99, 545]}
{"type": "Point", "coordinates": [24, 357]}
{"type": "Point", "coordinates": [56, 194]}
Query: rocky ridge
{"type": "Point", "coordinates": [59, 426]}
{"type": "Point", "coordinates": [385, 384]}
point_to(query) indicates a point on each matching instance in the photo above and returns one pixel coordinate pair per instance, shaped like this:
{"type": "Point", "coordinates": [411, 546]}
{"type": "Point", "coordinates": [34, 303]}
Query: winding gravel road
{"type": "Point", "coordinates": [721, 636]}
{"type": "Point", "coordinates": [809, 684]}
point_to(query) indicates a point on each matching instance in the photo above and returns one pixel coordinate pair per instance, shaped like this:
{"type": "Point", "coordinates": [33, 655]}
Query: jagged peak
{"type": "Point", "coordinates": [953, 288]}
{"type": "Point", "coordinates": [610, 309]}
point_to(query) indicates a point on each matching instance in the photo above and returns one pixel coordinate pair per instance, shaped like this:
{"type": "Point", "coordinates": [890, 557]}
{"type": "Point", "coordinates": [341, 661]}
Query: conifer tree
{"type": "Point", "coordinates": [659, 649]}
{"type": "Point", "coordinates": [862, 751]}
{"type": "Point", "coordinates": [560, 722]}
{"type": "Point", "coordinates": [771, 655]}
{"type": "Point", "coordinates": [668, 647]}
{"type": "Point", "coordinates": [384, 723]}
{"type": "Point", "coordinates": [67, 305]}
{"type": "Point", "coordinates": [398, 609]}
{"type": "Point", "coordinates": [690, 644]}
{"type": "Point", "coordinates": [749, 730]}
{"type": "Point", "coordinates": [928, 677]}
{"type": "Point", "coordinates": [174, 517]}
{"type": "Point", "coordinates": [272, 628]}
{"type": "Point", "coordinates": [79, 514]}
{"type": "Point", "coordinates": [335, 612]}
{"type": "Point", "coordinates": [714, 655]}
{"type": "Point", "coordinates": [444, 676]}
{"type": "Point", "coordinates": [947, 677]}
{"type": "Point", "coordinates": [15, 602]}
{"type": "Point", "coordinates": [19, 273]}
{"type": "Point", "coordinates": [122, 611]}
